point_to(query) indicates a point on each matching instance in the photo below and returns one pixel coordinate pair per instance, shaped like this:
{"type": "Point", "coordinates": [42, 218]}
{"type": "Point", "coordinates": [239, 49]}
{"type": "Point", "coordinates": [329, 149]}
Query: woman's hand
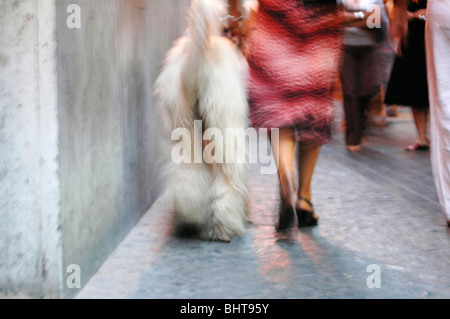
{"type": "Point", "coordinates": [234, 25]}
{"type": "Point", "coordinates": [240, 28]}
{"type": "Point", "coordinates": [420, 14]}
{"type": "Point", "coordinates": [399, 23]}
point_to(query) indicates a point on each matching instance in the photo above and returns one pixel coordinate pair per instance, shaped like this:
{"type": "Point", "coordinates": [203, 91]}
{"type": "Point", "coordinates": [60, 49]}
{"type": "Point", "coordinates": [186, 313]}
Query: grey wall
{"type": "Point", "coordinates": [77, 133]}
{"type": "Point", "coordinates": [30, 246]}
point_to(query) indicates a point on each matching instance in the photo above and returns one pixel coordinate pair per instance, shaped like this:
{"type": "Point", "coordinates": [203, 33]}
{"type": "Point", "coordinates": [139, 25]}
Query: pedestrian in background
{"type": "Point", "coordinates": [360, 72]}
{"type": "Point", "coordinates": [408, 83]}
{"type": "Point", "coordinates": [437, 40]}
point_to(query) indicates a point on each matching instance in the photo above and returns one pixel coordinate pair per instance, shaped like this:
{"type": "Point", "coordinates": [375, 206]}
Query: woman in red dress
{"type": "Point", "coordinates": [294, 55]}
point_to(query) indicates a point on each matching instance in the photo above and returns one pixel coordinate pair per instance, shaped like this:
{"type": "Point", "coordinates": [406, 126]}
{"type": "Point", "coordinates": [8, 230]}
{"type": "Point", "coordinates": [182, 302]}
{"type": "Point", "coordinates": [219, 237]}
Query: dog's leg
{"type": "Point", "coordinates": [228, 218]}
{"type": "Point", "coordinates": [189, 187]}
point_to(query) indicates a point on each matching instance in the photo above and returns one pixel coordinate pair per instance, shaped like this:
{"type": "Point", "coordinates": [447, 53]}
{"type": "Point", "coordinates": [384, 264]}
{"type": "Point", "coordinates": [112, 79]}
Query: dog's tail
{"type": "Point", "coordinates": [205, 21]}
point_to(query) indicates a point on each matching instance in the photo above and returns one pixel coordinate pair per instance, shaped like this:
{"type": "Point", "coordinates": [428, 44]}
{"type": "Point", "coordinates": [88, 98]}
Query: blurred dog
{"type": "Point", "coordinates": [204, 78]}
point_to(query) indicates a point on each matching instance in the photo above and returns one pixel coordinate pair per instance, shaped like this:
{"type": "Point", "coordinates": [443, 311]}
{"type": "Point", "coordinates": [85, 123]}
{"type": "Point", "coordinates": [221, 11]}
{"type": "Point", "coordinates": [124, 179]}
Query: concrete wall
{"type": "Point", "coordinates": [30, 246]}
{"type": "Point", "coordinates": [77, 133]}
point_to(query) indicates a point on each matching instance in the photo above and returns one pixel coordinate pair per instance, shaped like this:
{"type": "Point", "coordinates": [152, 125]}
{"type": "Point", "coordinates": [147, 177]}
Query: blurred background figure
{"type": "Point", "coordinates": [408, 83]}
{"type": "Point", "coordinates": [437, 43]}
{"type": "Point", "coordinates": [360, 72]}
{"type": "Point", "coordinates": [438, 64]}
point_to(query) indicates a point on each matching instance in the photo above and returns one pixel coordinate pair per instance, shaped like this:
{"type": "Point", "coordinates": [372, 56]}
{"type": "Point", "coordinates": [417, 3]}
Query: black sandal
{"type": "Point", "coordinates": [286, 218]}
{"type": "Point", "coordinates": [305, 217]}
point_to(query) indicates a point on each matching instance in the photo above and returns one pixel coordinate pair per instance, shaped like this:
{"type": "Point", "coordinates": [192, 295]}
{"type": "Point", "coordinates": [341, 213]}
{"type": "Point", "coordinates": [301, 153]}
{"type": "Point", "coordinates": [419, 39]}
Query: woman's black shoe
{"type": "Point", "coordinates": [305, 217]}
{"type": "Point", "coordinates": [286, 218]}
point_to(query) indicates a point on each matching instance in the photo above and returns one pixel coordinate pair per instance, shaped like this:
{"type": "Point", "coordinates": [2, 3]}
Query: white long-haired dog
{"type": "Point", "coordinates": [204, 78]}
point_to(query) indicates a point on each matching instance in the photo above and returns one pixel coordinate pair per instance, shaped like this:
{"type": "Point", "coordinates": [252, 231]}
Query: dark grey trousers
{"type": "Point", "coordinates": [360, 83]}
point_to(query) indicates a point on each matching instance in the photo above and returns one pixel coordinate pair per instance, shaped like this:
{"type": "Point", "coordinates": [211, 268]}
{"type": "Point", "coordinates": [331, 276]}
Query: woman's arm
{"type": "Point", "coordinates": [356, 19]}
{"type": "Point", "coordinates": [399, 21]}
{"type": "Point", "coordinates": [419, 14]}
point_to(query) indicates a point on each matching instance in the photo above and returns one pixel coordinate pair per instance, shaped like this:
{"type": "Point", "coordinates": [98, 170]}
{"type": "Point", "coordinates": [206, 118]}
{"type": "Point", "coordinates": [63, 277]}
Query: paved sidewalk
{"type": "Point", "coordinates": [378, 207]}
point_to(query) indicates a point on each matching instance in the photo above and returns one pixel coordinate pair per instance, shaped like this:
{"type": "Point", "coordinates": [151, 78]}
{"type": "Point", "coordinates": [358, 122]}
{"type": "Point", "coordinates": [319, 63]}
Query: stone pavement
{"type": "Point", "coordinates": [376, 207]}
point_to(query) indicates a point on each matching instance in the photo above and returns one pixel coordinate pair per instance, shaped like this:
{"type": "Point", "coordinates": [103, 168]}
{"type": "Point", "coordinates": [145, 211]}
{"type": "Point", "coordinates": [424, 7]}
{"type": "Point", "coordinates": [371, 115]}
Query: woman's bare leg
{"type": "Point", "coordinates": [307, 158]}
{"type": "Point", "coordinates": [284, 152]}
{"type": "Point", "coordinates": [420, 119]}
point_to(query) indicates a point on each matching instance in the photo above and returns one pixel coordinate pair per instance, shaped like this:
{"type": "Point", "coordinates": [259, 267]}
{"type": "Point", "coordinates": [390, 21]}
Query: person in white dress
{"type": "Point", "coordinates": [438, 64]}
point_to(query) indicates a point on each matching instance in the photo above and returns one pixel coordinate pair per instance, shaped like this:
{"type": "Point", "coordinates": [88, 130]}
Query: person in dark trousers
{"type": "Point", "coordinates": [359, 71]}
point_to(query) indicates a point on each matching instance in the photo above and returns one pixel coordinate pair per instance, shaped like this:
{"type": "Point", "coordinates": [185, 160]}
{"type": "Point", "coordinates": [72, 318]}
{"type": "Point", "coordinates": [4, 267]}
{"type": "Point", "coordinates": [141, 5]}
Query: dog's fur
{"type": "Point", "coordinates": [204, 78]}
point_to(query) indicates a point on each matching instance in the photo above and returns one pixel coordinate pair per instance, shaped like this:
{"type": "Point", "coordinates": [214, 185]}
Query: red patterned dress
{"type": "Point", "coordinates": [294, 57]}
